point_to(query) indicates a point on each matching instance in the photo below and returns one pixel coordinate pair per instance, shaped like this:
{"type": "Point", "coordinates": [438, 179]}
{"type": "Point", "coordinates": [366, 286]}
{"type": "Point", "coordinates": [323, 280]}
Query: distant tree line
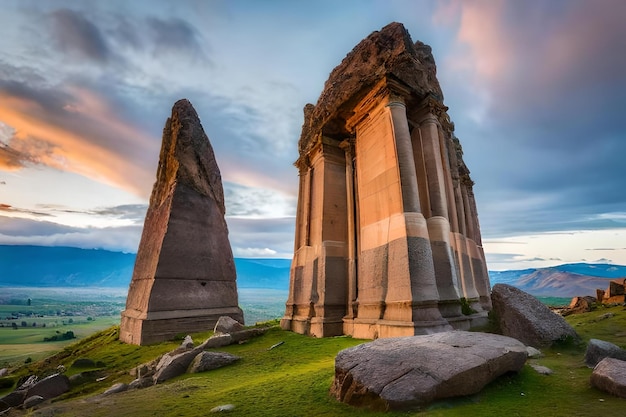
{"type": "Point", "coordinates": [60, 336]}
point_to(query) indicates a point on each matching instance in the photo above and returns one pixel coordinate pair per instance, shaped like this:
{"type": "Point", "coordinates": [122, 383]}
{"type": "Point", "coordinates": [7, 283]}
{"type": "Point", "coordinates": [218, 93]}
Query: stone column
{"type": "Point", "coordinates": [352, 240]}
{"type": "Point", "coordinates": [414, 248]}
{"type": "Point", "coordinates": [438, 224]}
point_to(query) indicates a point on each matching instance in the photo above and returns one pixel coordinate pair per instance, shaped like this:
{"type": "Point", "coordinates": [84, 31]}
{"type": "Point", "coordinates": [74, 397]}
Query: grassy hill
{"type": "Point", "coordinates": [294, 378]}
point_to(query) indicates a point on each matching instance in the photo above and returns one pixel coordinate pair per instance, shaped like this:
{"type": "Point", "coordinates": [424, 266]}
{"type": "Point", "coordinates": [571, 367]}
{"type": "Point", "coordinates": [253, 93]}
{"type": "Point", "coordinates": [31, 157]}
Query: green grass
{"type": "Point", "coordinates": [294, 379]}
{"type": "Point", "coordinates": [27, 342]}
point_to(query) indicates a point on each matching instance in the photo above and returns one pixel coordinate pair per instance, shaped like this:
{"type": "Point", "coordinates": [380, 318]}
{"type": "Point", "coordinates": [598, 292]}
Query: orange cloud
{"type": "Point", "coordinates": [85, 137]}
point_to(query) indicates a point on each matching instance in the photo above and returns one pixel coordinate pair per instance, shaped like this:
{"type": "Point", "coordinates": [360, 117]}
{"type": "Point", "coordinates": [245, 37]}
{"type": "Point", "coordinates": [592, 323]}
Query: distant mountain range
{"type": "Point", "coordinates": [569, 280]}
{"type": "Point", "coordinates": [42, 266]}
{"type": "Point", "coordinates": [39, 266]}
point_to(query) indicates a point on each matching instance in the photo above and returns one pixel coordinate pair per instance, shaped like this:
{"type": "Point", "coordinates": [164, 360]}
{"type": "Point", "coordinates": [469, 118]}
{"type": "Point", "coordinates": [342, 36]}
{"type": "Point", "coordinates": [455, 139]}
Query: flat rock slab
{"type": "Point", "coordinates": [523, 317]}
{"type": "Point", "coordinates": [610, 376]}
{"type": "Point", "coordinates": [407, 372]}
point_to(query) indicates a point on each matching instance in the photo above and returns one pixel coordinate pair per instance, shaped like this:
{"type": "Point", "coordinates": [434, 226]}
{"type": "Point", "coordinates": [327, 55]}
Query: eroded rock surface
{"type": "Point", "coordinates": [610, 376]}
{"type": "Point", "coordinates": [523, 317]}
{"type": "Point", "coordinates": [600, 349]}
{"type": "Point", "coordinates": [206, 361]}
{"type": "Point", "coordinates": [400, 373]}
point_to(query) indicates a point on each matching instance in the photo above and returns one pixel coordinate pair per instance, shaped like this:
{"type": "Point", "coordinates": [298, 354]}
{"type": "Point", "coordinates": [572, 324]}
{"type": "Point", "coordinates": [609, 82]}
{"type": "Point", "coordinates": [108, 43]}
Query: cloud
{"type": "Point", "coordinates": [539, 90]}
{"type": "Point", "coordinates": [173, 36]}
{"type": "Point", "coordinates": [262, 236]}
{"type": "Point", "coordinates": [20, 211]}
{"type": "Point", "coordinates": [78, 37]}
{"type": "Point", "coordinates": [32, 232]}
{"type": "Point", "coordinates": [75, 128]}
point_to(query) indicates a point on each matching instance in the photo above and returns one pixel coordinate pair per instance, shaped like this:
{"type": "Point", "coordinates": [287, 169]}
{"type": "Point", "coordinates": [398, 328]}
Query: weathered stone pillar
{"type": "Point", "coordinates": [418, 284]}
{"type": "Point", "coordinates": [438, 224]}
{"type": "Point", "coordinates": [352, 238]}
{"type": "Point", "coordinates": [320, 302]}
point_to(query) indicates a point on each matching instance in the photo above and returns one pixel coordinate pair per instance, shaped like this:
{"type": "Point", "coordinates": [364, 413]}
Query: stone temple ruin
{"type": "Point", "coordinates": [184, 277]}
{"type": "Point", "coordinates": [387, 236]}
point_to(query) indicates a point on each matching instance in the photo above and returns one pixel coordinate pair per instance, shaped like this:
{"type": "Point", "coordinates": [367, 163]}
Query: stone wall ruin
{"type": "Point", "coordinates": [387, 237]}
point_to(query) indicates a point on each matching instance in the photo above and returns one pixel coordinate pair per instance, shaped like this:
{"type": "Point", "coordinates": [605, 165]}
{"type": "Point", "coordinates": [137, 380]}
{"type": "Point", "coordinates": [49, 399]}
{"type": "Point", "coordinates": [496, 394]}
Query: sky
{"type": "Point", "coordinates": [536, 89]}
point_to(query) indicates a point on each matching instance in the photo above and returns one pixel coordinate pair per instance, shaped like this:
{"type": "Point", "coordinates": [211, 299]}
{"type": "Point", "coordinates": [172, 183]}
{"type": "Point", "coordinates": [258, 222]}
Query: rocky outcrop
{"type": "Point", "coordinates": [579, 305]}
{"type": "Point", "coordinates": [610, 376]}
{"type": "Point", "coordinates": [600, 349]}
{"type": "Point", "coordinates": [523, 317]}
{"type": "Point", "coordinates": [188, 358]}
{"type": "Point", "coordinates": [406, 372]}
{"type": "Point", "coordinates": [184, 277]}
{"type": "Point", "coordinates": [34, 391]}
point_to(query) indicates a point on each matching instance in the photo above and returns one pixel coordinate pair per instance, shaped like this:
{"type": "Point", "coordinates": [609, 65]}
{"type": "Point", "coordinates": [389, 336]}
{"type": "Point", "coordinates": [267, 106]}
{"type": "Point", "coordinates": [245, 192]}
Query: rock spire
{"type": "Point", "coordinates": [184, 277]}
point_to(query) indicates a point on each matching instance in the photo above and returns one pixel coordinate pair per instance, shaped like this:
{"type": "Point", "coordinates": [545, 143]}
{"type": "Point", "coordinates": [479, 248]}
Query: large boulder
{"type": "Point", "coordinates": [600, 349]}
{"type": "Point", "coordinates": [610, 376]}
{"type": "Point", "coordinates": [50, 387]}
{"type": "Point", "coordinates": [523, 317]}
{"type": "Point", "coordinates": [405, 372]}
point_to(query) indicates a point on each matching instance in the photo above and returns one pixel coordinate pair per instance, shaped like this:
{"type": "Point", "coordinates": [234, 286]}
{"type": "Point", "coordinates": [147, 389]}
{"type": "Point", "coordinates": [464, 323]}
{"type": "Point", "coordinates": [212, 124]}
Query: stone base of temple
{"type": "Point", "coordinates": [316, 326]}
{"type": "Point", "coordinates": [374, 329]}
{"type": "Point", "coordinates": [479, 320]}
{"type": "Point", "coordinates": [141, 329]}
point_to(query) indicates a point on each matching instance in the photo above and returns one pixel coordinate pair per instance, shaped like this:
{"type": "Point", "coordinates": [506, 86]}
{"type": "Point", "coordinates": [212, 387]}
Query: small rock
{"type": "Point", "coordinates": [187, 343]}
{"type": "Point", "coordinates": [247, 334]}
{"type": "Point", "coordinates": [173, 364]}
{"type": "Point", "coordinates": [144, 382]}
{"type": "Point", "coordinates": [4, 372]}
{"type": "Point", "coordinates": [533, 353]}
{"type": "Point", "coordinates": [206, 361]}
{"type": "Point", "coordinates": [220, 408]}
{"type": "Point", "coordinates": [29, 382]}
{"type": "Point", "coordinates": [115, 388]}
{"type": "Point", "coordinates": [218, 340]}
{"type": "Point", "coordinates": [13, 399]}
{"type": "Point", "coordinates": [33, 401]}
{"type": "Point", "coordinates": [227, 324]}
{"type": "Point", "coordinates": [543, 370]}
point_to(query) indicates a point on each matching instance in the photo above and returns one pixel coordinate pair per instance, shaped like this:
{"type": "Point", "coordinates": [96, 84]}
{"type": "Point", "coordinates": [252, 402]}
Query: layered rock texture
{"type": "Point", "coordinates": [406, 372]}
{"type": "Point", "coordinates": [184, 277]}
{"type": "Point", "coordinates": [524, 317]}
{"type": "Point", "coordinates": [387, 237]}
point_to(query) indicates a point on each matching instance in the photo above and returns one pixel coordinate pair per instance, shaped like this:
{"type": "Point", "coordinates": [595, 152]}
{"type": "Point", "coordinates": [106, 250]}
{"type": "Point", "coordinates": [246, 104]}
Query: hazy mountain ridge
{"type": "Point", "coordinates": [568, 280]}
{"type": "Point", "coordinates": [42, 266]}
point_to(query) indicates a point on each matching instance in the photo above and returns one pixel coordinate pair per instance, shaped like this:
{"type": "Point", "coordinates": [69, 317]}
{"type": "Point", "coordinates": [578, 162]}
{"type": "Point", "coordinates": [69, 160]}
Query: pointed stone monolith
{"type": "Point", "coordinates": [184, 277]}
